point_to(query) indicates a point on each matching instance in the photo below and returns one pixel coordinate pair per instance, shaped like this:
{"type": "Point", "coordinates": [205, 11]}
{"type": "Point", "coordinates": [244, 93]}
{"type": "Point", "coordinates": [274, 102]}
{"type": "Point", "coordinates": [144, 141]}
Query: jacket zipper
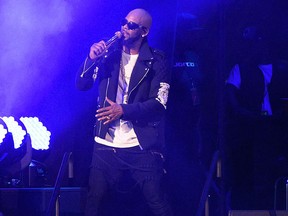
{"type": "Point", "coordinates": [134, 89]}
{"type": "Point", "coordinates": [100, 126]}
{"type": "Point", "coordinates": [106, 93]}
{"type": "Point", "coordinates": [137, 84]}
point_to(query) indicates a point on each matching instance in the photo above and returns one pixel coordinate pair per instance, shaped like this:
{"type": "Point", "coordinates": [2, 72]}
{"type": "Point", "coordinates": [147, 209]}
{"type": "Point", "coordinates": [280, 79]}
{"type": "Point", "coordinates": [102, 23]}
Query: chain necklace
{"type": "Point", "coordinates": [122, 82]}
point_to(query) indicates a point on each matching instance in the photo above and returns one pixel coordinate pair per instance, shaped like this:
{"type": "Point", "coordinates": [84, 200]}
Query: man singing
{"type": "Point", "coordinates": [133, 85]}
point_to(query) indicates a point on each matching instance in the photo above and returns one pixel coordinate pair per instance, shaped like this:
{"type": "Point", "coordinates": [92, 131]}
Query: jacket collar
{"type": "Point", "coordinates": [145, 53]}
{"type": "Point", "coordinates": [142, 66]}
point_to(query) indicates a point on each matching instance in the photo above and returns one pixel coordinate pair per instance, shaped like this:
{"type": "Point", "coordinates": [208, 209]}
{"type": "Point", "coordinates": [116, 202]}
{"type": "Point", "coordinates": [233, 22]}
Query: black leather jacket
{"type": "Point", "coordinates": [147, 93]}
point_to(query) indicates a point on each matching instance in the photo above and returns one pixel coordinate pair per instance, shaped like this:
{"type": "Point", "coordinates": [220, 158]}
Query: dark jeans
{"type": "Point", "coordinates": [145, 167]}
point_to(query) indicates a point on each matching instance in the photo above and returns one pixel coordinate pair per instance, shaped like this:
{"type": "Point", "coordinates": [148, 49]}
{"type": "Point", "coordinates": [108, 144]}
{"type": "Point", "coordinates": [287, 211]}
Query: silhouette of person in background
{"type": "Point", "coordinates": [255, 88]}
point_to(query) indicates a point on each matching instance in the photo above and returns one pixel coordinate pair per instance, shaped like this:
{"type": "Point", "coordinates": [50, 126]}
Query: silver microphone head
{"type": "Point", "coordinates": [117, 36]}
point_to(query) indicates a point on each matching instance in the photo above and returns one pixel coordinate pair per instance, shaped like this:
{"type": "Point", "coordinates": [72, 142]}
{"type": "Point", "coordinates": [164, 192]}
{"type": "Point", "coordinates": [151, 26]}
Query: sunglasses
{"type": "Point", "coordinates": [131, 25]}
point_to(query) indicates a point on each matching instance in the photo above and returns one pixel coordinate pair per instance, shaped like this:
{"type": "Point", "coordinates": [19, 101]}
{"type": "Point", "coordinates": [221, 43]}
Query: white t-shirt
{"type": "Point", "coordinates": [121, 133]}
{"type": "Point", "coordinates": [235, 79]}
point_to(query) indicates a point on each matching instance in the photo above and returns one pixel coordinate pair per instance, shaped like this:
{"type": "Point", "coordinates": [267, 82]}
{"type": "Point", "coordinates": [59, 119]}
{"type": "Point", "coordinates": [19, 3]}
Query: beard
{"type": "Point", "coordinates": [130, 41]}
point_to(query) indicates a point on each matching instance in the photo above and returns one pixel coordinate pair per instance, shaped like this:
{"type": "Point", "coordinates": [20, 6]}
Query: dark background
{"type": "Point", "coordinates": [43, 44]}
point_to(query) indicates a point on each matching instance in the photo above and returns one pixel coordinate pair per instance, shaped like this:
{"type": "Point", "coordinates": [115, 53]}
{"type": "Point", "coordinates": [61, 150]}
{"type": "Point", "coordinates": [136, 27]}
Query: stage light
{"type": "Point", "coordinates": [3, 133]}
{"type": "Point", "coordinates": [6, 138]}
{"type": "Point", "coordinates": [17, 138]}
{"type": "Point", "coordinates": [16, 130]}
{"type": "Point", "coordinates": [3, 144]}
{"type": "Point", "coordinates": [39, 134]}
{"type": "Point", "coordinates": [16, 150]}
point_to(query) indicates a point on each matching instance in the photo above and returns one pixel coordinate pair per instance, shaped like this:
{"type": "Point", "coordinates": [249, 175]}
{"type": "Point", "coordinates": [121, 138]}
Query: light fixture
{"type": "Point", "coordinates": [3, 132]}
{"type": "Point", "coordinates": [40, 135]}
{"type": "Point", "coordinates": [16, 130]}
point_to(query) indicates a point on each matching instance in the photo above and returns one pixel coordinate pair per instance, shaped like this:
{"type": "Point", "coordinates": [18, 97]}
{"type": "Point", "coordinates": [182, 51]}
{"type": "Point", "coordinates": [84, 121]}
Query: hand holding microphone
{"type": "Point", "coordinates": [98, 49]}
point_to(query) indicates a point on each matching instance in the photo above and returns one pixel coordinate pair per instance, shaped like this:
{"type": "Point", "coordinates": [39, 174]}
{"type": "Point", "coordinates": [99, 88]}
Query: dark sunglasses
{"type": "Point", "coordinates": [131, 25]}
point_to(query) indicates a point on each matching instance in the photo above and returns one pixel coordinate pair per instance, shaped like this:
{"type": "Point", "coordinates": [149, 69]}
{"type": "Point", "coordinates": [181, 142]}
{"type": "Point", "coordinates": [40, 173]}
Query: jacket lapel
{"type": "Point", "coordinates": [113, 80]}
{"type": "Point", "coordinates": [142, 66]}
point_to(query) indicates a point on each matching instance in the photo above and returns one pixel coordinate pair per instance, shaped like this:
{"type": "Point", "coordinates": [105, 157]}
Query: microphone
{"type": "Point", "coordinates": [113, 39]}
{"type": "Point", "coordinates": [104, 53]}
